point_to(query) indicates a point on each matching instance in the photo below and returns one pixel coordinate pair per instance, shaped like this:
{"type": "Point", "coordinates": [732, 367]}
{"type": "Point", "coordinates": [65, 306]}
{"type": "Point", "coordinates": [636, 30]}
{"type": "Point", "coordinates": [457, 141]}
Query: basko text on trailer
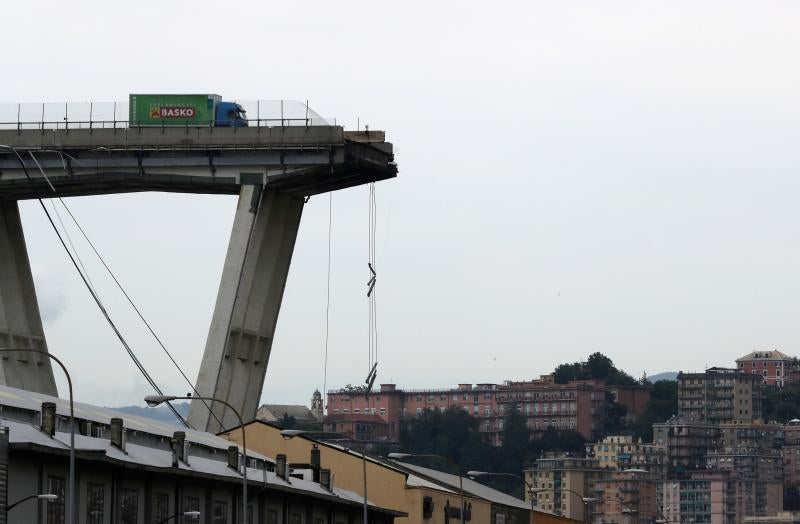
{"type": "Point", "coordinates": [185, 110]}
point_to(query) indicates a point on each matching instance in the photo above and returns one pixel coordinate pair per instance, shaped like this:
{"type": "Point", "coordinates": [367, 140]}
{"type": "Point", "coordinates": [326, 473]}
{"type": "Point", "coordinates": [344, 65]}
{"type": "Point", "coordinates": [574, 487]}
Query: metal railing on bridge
{"type": "Point", "coordinates": [114, 115]}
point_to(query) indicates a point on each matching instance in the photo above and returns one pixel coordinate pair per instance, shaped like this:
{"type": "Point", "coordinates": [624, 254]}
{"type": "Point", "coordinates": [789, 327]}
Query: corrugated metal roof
{"type": "Point", "coordinates": [22, 433]}
{"type": "Point", "coordinates": [470, 486]}
{"type": "Point", "coordinates": [413, 481]}
{"type": "Point", "coordinates": [19, 398]}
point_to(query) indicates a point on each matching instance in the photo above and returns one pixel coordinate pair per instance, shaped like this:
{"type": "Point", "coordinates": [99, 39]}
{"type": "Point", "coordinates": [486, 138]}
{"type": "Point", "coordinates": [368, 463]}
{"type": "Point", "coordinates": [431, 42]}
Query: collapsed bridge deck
{"type": "Point", "coordinates": [296, 160]}
{"type": "Point", "coordinates": [272, 169]}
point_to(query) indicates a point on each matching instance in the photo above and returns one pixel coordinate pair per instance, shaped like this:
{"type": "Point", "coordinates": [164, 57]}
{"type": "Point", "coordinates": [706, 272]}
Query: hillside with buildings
{"type": "Point", "coordinates": [723, 441]}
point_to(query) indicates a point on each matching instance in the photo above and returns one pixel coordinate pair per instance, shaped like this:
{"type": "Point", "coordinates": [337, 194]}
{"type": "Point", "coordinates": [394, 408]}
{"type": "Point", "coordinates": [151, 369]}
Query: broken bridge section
{"type": "Point", "coordinates": [271, 169]}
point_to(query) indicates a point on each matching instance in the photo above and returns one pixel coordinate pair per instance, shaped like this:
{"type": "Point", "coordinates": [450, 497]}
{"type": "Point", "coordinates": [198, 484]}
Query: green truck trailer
{"type": "Point", "coordinates": [184, 110]}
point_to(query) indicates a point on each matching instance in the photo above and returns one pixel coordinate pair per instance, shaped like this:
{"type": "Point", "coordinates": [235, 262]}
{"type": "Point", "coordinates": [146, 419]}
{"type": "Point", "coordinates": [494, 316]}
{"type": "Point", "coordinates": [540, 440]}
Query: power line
{"type": "Point", "coordinates": [136, 309]}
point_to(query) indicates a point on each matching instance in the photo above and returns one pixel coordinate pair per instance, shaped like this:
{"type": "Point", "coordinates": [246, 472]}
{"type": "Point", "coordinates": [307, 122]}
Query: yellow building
{"type": "Point", "coordinates": [422, 494]}
{"type": "Point", "coordinates": [560, 483]}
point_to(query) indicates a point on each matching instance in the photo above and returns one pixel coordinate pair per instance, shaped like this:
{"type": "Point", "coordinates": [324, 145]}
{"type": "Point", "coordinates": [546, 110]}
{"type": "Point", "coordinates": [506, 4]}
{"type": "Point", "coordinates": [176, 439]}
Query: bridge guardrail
{"type": "Point", "coordinates": [114, 115]}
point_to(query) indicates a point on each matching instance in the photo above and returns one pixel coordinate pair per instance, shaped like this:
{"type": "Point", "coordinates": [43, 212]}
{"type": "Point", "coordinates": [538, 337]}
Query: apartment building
{"type": "Point", "coordinates": [577, 405]}
{"type": "Point", "coordinates": [775, 368]}
{"type": "Point", "coordinates": [619, 452]}
{"type": "Point", "coordinates": [685, 444]}
{"type": "Point", "coordinates": [705, 498]}
{"type": "Point", "coordinates": [626, 497]}
{"type": "Point", "coordinates": [560, 482]}
{"type": "Point", "coordinates": [791, 453]}
{"type": "Point", "coordinates": [719, 395]}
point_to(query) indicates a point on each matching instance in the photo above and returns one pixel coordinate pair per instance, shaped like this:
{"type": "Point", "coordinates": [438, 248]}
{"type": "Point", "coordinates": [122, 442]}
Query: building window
{"type": "Point", "coordinates": [160, 507]}
{"type": "Point", "coordinates": [56, 509]}
{"type": "Point", "coordinates": [383, 412]}
{"type": "Point", "coordinates": [220, 512]}
{"type": "Point", "coordinates": [95, 493]}
{"type": "Point", "coordinates": [272, 516]}
{"type": "Point", "coordinates": [487, 411]}
{"type": "Point", "coordinates": [129, 505]}
{"type": "Point", "coordinates": [190, 504]}
{"type": "Point", "coordinates": [419, 411]}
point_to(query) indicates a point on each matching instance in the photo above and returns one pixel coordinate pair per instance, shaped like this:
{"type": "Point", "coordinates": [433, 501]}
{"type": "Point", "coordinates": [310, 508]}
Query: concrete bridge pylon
{"type": "Point", "coordinates": [271, 169]}
{"type": "Point", "coordinates": [20, 321]}
{"type": "Point", "coordinates": [250, 293]}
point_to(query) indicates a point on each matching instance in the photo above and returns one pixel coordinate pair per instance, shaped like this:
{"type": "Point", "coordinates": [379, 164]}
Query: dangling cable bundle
{"type": "Point", "coordinates": [372, 335]}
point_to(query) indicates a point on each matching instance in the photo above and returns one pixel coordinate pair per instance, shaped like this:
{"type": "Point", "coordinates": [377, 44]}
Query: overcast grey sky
{"type": "Point", "coordinates": [574, 177]}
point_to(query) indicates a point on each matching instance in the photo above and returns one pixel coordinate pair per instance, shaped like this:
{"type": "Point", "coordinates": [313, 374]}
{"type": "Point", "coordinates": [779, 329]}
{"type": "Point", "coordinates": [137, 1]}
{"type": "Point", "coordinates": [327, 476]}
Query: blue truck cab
{"type": "Point", "coordinates": [230, 114]}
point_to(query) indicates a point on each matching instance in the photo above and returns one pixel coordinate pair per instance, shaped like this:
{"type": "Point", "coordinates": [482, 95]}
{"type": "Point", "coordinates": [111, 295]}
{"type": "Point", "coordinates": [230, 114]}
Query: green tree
{"type": "Point", "coordinates": [614, 419]}
{"type": "Point", "coordinates": [452, 433]}
{"type": "Point", "coordinates": [782, 404]}
{"type": "Point", "coordinates": [553, 440]}
{"type": "Point", "coordinates": [596, 367]}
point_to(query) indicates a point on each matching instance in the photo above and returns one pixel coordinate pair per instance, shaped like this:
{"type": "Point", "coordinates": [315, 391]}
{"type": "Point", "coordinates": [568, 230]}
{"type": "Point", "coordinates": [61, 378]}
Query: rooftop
{"type": "Point", "coordinates": [471, 487]}
{"type": "Point", "coordinates": [765, 355]}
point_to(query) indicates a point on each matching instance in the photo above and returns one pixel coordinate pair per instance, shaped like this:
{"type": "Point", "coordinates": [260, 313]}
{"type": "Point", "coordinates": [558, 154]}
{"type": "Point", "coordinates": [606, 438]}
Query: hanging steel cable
{"type": "Point", "coordinates": [136, 308]}
{"type": "Point", "coordinates": [372, 324]}
{"type": "Point", "coordinates": [328, 296]}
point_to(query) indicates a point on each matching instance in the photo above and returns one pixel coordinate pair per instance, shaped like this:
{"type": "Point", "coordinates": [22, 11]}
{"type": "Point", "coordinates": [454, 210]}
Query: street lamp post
{"type": "Point", "coordinates": [291, 433]}
{"type": "Point", "coordinates": [49, 497]}
{"type": "Point", "coordinates": [193, 514]}
{"type": "Point", "coordinates": [155, 400]}
{"type": "Point", "coordinates": [400, 456]}
{"type": "Point", "coordinates": [71, 486]}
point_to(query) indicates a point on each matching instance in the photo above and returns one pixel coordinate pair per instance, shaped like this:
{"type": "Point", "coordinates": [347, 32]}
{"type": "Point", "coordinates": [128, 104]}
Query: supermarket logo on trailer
{"type": "Point", "coordinates": [171, 112]}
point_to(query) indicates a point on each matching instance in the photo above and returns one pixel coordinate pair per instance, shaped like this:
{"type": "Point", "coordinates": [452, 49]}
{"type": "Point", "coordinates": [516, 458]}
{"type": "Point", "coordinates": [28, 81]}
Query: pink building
{"type": "Point", "coordinates": [626, 497]}
{"type": "Point", "coordinates": [775, 367]}
{"type": "Point", "coordinates": [578, 405]}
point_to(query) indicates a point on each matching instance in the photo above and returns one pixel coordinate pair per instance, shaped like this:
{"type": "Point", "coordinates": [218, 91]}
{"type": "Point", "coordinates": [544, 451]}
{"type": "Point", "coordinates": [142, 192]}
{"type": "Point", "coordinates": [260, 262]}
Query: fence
{"type": "Point", "coordinates": [114, 115]}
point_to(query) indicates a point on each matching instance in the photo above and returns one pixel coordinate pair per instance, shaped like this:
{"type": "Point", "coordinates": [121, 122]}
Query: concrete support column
{"type": "Point", "coordinates": [249, 299]}
{"type": "Point", "coordinates": [20, 322]}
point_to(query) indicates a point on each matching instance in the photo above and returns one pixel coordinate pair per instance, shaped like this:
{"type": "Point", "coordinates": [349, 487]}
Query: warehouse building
{"type": "Point", "coordinates": [135, 470]}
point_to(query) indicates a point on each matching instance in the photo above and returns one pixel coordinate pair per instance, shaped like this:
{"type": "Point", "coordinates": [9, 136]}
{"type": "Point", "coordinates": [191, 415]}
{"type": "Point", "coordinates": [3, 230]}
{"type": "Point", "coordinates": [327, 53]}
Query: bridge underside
{"type": "Point", "coordinates": [271, 169]}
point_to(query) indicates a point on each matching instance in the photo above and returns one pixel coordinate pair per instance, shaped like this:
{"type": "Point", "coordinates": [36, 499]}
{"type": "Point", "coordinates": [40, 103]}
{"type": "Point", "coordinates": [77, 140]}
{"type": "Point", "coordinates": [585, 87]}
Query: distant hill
{"type": "Point", "coordinates": [161, 413]}
{"type": "Point", "coordinates": [666, 375]}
